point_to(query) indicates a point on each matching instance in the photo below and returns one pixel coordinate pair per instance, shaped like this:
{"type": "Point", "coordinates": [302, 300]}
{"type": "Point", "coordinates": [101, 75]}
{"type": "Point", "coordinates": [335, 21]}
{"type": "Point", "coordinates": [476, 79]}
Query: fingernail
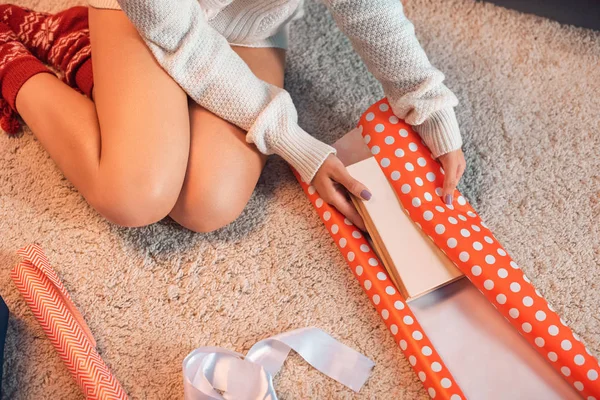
{"type": "Point", "coordinates": [448, 199]}
{"type": "Point", "coordinates": [365, 194]}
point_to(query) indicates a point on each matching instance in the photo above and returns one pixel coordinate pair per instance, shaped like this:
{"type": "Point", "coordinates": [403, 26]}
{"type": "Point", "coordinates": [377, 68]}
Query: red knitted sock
{"type": "Point", "coordinates": [61, 40]}
{"type": "Point", "coordinates": [17, 65]}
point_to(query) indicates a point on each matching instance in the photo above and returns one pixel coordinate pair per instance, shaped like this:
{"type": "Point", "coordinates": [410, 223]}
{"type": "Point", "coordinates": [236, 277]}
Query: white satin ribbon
{"type": "Point", "coordinates": [248, 378]}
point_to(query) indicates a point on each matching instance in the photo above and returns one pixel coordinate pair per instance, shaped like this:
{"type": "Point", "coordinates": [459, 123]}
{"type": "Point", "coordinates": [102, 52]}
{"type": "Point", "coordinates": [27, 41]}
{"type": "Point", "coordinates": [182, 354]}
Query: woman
{"type": "Point", "coordinates": [138, 150]}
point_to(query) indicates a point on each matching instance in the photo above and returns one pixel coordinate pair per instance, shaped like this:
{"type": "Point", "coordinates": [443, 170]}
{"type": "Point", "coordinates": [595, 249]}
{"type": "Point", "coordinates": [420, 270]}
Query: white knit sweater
{"type": "Point", "coordinates": [190, 39]}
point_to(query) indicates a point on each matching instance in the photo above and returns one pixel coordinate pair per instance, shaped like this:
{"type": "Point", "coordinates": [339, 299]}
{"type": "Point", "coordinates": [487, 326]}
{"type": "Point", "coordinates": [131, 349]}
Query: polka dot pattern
{"type": "Point", "coordinates": [388, 302]}
{"type": "Point", "coordinates": [459, 232]}
{"type": "Point", "coordinates": [415, 174]}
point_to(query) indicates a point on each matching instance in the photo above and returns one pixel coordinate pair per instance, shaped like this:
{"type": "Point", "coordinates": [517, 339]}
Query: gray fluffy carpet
{"type": "Point", "coordinates": [530, 116]}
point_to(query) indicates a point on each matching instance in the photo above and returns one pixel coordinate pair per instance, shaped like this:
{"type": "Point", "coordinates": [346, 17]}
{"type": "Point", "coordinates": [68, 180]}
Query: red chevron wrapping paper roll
{"type": "Point", "coordinates": [390, 304]}
{"type": "Point", "coordinates": [53, 308]}
{"type": "Point", "coordinates": [461, 234]}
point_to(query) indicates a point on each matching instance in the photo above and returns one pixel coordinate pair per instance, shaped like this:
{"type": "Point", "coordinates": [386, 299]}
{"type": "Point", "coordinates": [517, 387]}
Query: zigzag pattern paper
{"type": "Point", "coordinates": [53, 308]}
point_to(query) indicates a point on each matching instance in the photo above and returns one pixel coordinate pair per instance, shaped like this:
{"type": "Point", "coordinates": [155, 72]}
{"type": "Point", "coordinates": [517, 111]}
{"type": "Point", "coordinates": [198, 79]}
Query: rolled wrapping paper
{"type": "Point", "coordinates": [251, 377]}
{"type": "Point", "coordinates": [55, 311]}
{"type": "Point", "coordinates": [389, 303]}
{"type": "Point", "coordinates": [460, 233]}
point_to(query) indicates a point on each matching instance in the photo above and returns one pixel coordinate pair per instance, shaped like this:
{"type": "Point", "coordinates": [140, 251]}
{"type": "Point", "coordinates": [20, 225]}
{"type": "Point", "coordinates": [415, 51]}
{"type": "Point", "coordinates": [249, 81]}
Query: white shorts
{"type": "Point", "coordinates": [278, 40]}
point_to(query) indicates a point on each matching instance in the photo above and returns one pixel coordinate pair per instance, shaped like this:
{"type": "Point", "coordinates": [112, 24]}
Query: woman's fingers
{"type": "Point", "coordinates": [450, 182]}
{"type": "Point", "coordinates": [333, 170]}
{"type": "Point", "coordinates": [330, 181]}
{"type": "Point", "coordinates": [346, 207]}
{"type": "Point", "coordinates": [454, 166]}
{"type": "Point", "coordinates": [336, 196]}
{"type": "Point", "coordinates": [341, 175]}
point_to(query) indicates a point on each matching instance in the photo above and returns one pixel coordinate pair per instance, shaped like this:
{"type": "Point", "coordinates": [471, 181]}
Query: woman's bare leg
{"type": "Point", "coordinates": [223, 169]}
{"type": "Point", "coordinates": [127, 153]}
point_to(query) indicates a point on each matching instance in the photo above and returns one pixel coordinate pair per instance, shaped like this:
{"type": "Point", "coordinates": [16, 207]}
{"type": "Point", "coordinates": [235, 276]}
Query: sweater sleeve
{"type": "Point", "coordinates": [201, 61]}
{"type": "Point", "coordinates": [385, 39]}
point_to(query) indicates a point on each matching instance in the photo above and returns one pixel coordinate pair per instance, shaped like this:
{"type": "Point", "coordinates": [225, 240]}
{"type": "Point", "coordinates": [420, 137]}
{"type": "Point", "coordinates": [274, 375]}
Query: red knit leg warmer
{"type": "Point", "coordinates": [61, 40]}
{"type": "Point", "coordinates": [17, 65]}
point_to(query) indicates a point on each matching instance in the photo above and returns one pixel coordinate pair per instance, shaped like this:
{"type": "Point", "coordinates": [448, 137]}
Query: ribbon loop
{"type": "Point", "coordinates": [251, 377]}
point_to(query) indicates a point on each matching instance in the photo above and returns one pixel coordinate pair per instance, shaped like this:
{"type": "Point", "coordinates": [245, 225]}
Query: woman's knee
{"type": "Point", "coordinates": [145, 134]}
{"type": "Point", "coordinates": [207, 210]}
{"type": "Point", "coordinates": [206, 220]}
{"type": "Point", "coordinates": [131, 202]}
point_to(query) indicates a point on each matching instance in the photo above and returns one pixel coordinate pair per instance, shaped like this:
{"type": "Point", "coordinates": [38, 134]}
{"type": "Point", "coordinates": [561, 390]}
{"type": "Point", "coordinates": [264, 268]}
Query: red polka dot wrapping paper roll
{"type": "Point", "coordinates": [53, 308]}
{"type": "Point", "coordinates": [460, 233]}
{"type": "Point", "coordinates": [389, 303]}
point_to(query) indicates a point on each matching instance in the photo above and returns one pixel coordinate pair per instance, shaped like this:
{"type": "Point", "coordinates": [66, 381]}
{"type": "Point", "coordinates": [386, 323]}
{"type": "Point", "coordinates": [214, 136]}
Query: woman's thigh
{"type": "Point", "coordinates": [222, 168]}
{"type": "Point", "coordinates": [144, 123]}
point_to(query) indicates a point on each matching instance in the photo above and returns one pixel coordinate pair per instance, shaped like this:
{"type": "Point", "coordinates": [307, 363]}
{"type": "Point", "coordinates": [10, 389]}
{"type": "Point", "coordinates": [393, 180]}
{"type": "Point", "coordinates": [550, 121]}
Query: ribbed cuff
{"type": "Point", "coordinates": [17, 73]}
{"type": "Point", "coordinates": [440, 132]}
{"type": "Point", "coordinates": [303, 152]}
{"type": "Point", "coordinates": [84, 78]}
{"type": "Point", "coordinates": [105, 4]}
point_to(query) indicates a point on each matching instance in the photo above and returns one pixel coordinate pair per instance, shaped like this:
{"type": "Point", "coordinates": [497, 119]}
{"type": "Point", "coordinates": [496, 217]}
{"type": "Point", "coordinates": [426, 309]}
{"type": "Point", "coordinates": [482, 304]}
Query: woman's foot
{"type": "Point", "coordinates": [17, 65]}
{"type": "Point", "coordinates": [61, 40]}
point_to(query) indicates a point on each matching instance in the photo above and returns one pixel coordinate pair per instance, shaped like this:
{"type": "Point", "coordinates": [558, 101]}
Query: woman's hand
{"type": "Point", "coordinates": [454, 166]}
{"type": "Point", "coordinates": [328, 181]}
{"type": "Point", "coordinates": [332, 178]}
